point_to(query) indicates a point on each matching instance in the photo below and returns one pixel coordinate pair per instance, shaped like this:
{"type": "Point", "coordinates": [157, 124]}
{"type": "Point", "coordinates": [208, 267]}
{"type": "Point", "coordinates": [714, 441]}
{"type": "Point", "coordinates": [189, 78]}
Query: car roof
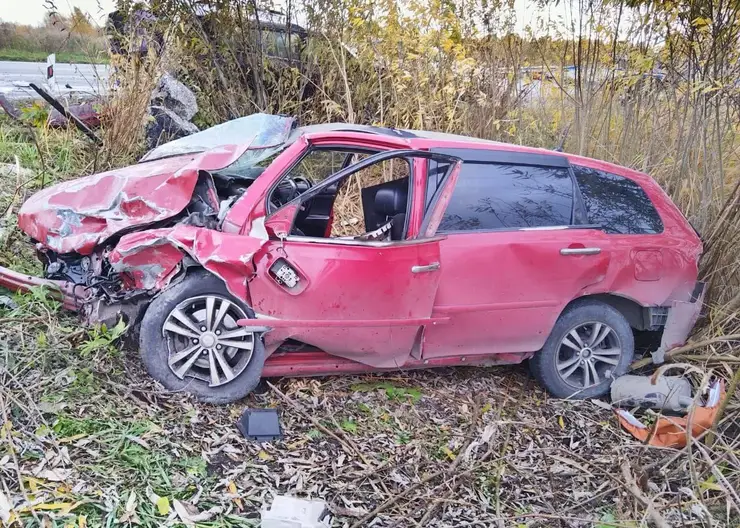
{"type": "Point", "coordinates": [430, 139]}
{"type": "Point", "coordinates": [387, 131]}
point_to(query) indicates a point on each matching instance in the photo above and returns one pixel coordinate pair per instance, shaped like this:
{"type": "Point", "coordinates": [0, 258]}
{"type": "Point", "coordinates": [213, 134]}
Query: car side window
{"type": "Point", "coordinates": [319, 164]}
{"type": "Point", "coordinates": [617, 204]}
{"type": "Point", "coordinates": [504, 196]}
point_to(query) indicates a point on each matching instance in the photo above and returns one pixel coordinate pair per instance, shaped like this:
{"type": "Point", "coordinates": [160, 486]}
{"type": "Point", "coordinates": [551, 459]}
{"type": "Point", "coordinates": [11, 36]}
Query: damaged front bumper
{"type": "Point", "coordinates": [70, 295]}
{"type": "Point", "coordinates": [77, 298]}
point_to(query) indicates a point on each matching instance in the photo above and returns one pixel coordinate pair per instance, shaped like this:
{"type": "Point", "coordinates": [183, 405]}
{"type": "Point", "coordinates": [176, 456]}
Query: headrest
{"type": "Point", "coordinates": [390, 202]}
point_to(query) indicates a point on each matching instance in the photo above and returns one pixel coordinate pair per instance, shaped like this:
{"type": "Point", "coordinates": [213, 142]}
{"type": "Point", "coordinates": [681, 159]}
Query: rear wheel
{"type": "Point", "coordinates": [190, 341]}
{"type": "Point", "coordinates": [590, 345]}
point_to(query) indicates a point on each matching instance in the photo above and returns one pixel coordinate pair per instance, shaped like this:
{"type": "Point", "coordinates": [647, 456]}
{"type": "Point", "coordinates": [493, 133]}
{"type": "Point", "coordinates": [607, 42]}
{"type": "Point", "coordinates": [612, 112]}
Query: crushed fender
{"type": "Point", "coordinates": [150, 259]}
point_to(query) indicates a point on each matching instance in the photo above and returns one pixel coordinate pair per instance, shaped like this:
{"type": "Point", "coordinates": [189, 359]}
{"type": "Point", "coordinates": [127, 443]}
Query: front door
{"type": "Point", "coordinates": [361, 299]}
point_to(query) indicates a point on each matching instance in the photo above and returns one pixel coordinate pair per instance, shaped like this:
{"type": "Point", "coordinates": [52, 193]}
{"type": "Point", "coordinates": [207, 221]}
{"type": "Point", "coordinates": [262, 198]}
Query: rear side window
{"type": "Point", "coordinates": [499, 196]}
{"type": "Point", "coordinates": [617, 204]}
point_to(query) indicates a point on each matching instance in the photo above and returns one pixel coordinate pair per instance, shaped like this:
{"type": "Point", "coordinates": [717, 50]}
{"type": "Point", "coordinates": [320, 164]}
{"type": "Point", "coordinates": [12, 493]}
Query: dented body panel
{"type": "Point", "coordinates": [461, 298]}
{"type": "Point", "coordinates": [78, 215]}
{"type": "Point", "coordinates": [151, 258]}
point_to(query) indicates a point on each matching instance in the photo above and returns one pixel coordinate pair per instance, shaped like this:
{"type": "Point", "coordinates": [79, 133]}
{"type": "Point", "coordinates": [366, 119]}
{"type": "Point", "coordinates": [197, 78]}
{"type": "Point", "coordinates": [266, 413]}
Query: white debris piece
{"type": "Point", "coordinates": [291, 512]}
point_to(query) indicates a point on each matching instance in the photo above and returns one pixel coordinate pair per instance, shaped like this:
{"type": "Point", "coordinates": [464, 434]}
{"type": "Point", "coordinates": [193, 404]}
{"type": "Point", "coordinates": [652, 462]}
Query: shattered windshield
{"type": "Point", "coordinates": [264, 133]}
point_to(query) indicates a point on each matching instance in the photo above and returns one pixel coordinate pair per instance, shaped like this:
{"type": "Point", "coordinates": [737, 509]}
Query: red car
{"type": "Point", "coordinates": [256, 248]}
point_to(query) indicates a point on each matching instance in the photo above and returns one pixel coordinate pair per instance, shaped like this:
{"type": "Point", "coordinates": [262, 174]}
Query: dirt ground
{"type": "Point", "coordinates": [95, 442]}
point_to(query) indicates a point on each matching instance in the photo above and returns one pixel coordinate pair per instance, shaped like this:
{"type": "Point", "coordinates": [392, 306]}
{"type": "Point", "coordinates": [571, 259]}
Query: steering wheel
{"type": "Point", "coordinates": [288, 190]}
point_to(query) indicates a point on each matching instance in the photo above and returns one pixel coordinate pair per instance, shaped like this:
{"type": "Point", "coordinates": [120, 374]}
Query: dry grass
{"type": "Point", "coordinates": [450, 447]}
{"type": "Point", "coordinates": [460, 447]}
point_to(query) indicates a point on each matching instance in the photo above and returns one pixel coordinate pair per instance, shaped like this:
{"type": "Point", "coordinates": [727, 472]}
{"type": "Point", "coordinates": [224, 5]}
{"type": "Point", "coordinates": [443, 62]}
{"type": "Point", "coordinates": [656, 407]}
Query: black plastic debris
{"type": "Point", "coordinates": [260, 425]}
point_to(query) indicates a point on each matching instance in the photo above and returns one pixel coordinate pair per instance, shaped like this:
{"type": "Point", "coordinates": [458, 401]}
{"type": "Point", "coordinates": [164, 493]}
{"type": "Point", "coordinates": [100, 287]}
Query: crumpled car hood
{"type": "Point", "coordinates": [77, 215]}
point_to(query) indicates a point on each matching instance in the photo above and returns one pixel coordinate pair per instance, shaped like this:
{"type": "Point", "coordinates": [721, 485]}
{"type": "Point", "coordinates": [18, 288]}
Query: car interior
{"type": "Point", "coordinates": [371, 204]}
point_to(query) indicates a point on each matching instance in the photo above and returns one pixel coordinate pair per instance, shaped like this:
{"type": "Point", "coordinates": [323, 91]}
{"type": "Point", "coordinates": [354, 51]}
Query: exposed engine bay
{"type": "Point", "coordinates": [105, 288]}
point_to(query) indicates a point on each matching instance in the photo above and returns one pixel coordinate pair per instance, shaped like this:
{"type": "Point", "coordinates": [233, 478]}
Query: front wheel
{"type": "Point", "coordinates": [590, 345]}
{"type": "Point", "coordinates": [189, 341]}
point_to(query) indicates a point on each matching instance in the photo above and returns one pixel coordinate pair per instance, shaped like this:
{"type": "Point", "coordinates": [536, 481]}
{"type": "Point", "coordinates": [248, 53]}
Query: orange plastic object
{"type": "Point", "coordinates": [671, 431]}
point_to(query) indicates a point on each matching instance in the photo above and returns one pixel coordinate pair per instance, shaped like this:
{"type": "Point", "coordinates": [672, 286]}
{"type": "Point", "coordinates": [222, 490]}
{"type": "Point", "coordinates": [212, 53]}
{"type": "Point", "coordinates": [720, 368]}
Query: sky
{"type": "Point", "coordinates": [31, 12]}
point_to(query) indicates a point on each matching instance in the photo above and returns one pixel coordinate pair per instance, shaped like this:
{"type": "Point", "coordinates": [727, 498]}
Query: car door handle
{"type": "Point", "coordinates": [434, 266]}
{"type": "Point", "coordinates": [580, 251]}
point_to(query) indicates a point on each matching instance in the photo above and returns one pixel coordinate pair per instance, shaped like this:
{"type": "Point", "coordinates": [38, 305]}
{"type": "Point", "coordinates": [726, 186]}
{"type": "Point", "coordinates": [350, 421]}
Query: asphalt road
{"type": "Point", "coordinates": [71, 78]}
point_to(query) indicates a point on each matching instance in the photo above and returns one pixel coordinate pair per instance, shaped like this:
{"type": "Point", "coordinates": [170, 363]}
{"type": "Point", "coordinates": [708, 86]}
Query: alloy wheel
{"type": "Point", "coordinates": [205, 342]}
{"type": "Point", "coordinates": [588, 354]}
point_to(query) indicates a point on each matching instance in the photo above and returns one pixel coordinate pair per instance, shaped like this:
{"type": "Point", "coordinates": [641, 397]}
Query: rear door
{"type": "Point", "coordinates": [362, 300]}
{"type": "Point", "coordinates": [515, 253]}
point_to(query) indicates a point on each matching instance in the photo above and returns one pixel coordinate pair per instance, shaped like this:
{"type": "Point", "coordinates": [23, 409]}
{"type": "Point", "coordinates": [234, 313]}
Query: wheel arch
{"type": "Point", "coordinates": [191, 267]}
{"type": "Point", "coordinates": [636, 314]}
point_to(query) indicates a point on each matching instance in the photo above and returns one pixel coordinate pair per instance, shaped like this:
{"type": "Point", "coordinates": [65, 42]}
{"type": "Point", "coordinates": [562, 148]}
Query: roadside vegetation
{"type": "Point", "coordinates": [72, 38]}
{"type": "Point", "coordinates": [88, 440]}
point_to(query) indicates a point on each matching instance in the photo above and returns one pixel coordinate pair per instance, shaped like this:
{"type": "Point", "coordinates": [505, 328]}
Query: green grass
{"type": "Point", "coordinates": [10, 54]}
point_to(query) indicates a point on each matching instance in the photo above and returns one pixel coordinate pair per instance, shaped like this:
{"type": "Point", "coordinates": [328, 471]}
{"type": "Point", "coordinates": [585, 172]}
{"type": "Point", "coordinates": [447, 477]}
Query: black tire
{"type": "Point", "coordinates": [544, 363]}
{"type": "Point", "coordinates": [154, 347]}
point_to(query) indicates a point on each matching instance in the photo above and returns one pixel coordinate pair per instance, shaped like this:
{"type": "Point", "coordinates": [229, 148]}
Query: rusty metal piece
{"type": "Point", "coordinates": [66, 113]}
{"type": "Point", "coordinates": [85, 112]}
{"type": "Point", "coordinates": [70, 295]}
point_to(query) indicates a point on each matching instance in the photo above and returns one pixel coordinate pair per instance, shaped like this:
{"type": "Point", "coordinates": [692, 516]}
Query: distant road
{"type": "Point", "coordinates": [81, 78]}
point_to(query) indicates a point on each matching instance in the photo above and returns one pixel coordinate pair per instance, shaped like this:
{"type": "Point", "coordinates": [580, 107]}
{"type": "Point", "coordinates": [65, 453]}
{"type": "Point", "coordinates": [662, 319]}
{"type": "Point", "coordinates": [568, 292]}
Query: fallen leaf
{"type": "Point", "coordinates": [129, 514]}
{"type": "Point", "coordinates": [233, 492]}
{"type": "Point", "coordinates": [208, 514]}
{"type": "Point", "coordinates": [189, 515]}
{"type": "Point", "coordinates": [264, 455]}
{"type": "Point", "coordinates": [137, 440]}
{"type": "Point", "coordinates": [163, 505]}
{"type": "Point", "coordinates": [5, 508]}
{"type": "Point", "coordinates": [69, 439]}
{"type": "Point", "coordinates": [447, 451]}
{"type": "Point", "coordinates": [561, 422]}
{"type": "Point", "coordinates": [33, 484]}
{"type": "Point", "coordinates": [64, 507]}
{"type": "Point", "coordinates": [348, 512]}
{"type": "Point", "coordinates": [601, 404]}
{"type": "Point", "coordinates": [54, 475]}
{"type": "Point", "coordinates": [182, 512]}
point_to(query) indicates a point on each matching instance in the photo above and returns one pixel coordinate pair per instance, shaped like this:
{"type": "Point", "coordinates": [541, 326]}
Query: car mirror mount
{"type": "Point", "coordinates": [280, 223]}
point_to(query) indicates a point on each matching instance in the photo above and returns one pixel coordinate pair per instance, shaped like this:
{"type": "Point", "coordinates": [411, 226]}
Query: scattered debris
{"type": "Point", "coordinates": [260, 425]}
{"type": "Point", "coordinates": [7, 302]}
{"type": "Point", "coordinates": [85, 112]}
{"type": "Point", "coordinates": [173, 105]}
{"type": "Point", "coordinates": [666, 392]}
{"type": "Point", "coordinates": [290, 512]}
{"type": "Point", "coordinates": [189, 514]}
{"type": "Point", "coordinates": [67, 114]}
{"type": "Point", "coordinates": [669, 431]}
